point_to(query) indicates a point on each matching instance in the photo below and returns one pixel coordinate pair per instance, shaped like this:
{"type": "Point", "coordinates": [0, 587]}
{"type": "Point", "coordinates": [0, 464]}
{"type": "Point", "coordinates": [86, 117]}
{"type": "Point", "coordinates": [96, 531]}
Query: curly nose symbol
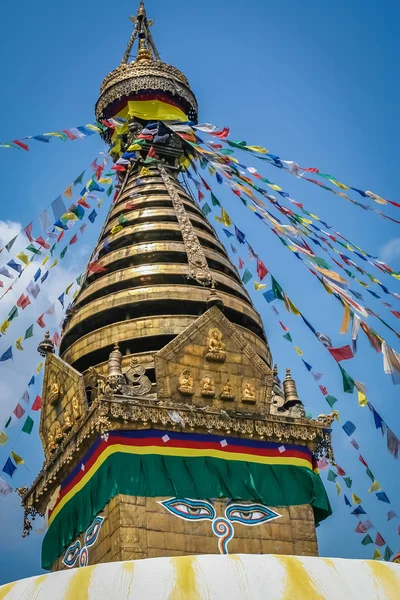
{"type": "Point", "coordinates": [223, 529]}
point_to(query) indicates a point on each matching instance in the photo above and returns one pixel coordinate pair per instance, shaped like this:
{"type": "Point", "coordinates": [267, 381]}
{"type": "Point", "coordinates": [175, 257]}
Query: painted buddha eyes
{"type": "Point", "coordinates": [192, 510]}
{"type": "Point", "coordinates": [93, 531]}
{"type": "Point", "coordinates": [249, 514]}
{"type": "Point", "coordinates": [72, 554]}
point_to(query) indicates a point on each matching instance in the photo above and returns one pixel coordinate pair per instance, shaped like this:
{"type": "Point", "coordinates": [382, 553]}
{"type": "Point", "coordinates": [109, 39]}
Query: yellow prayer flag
{"type": "Point", "coordinates": [346, 319]}
{"type": "Point", "coordinates": [4, 326]}
{"type": "Point", "coordinates": [349, 248]}
{"type": "Point", "coordinates": [226, 220]}
{"type": "Point", "coordinates": [24, 257]}
{"type": "Point", "coordinates": [44, 261]}
{"type": "Point", "coordinates": [69, 287]}
{"type": "Point", "coordinates": [100, 202]}
{"type": "Point", "coordinates": [93, 127]}
{"type": "Point", "coordinates": [69, 216]}
{"type": "Point", "coordinates": [375, 487]}
{"type": "Point", "coordinates": [379, 200]}
{"type": "Point", "coordinates": [293, 308]}
{"type": "Point", "coordinates": [315, 217]}
{"type": "Point", "coordinates": [331, 274]}
{"type": "Point", "coordinates": [395, 275]}
{"type": "Point", "coordinates": [338, 488]}
{"type": "Point", "coordinates": [362, 399]}
{"type": "Point", "coordinates": [74, 295]}
{"type": "Point", "coordinates": [53, 134]}
{"type": "Point", "coordinates": [68, 191]}
{"type": "Point", "coordinates": [134, 147]}
{"type": "Point", "coordinates": [18, 343]}
{"type": "Point", "coordinates": [355, 499]}
{"type": "Point", "coordinates": [377, 554]}
{"type": "Point", "coordinates": [54, 263]}
{"type": "Point", "coordinates": [275, 187]}
{"type": "Point", "coordinates": [259, 286]}
{"type": "Point", "coordinates": [116, 229]}
{"type": "Point", "coordinates": [218, 219]}
{"type": "Point", "coordinates": [17, 459]}
{"type": "Point", "coordinates": [233, 159]}
{"type": "Point", "coordinates": [299, 351]}
{"type": "Point", "coordinates": [144, 171]}
{"type": "Point", "coordinates": [105, 180]}
{"type": "Point", "coordinates": [211, 170]}
{"type": "Point", "coordinates": [3, 438]}
{"type": "Point", "coordinates": [251, 207]}
{"type": "Point", "coordinates": [365, 285]}
{"type": "Point", "coordinates": [39, 367]}
{"type": "Point", "coordinates": [342, 186]}
{"type": "Point", "coordinates": [258, 149]}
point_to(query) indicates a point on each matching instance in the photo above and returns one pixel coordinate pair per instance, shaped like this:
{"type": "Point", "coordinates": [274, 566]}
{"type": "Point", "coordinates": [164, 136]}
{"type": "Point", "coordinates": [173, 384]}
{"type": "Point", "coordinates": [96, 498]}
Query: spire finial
{"type": "Point", "coordinates": [147, 49]}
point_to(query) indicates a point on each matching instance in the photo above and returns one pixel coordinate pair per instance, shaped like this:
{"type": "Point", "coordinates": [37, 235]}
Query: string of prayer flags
{"type": "Point", "coordinates": [17, 459]}
{"type": "Point", "coordinates": [5, 488]}
{"type": "Point", "coordinates": [72, 134]}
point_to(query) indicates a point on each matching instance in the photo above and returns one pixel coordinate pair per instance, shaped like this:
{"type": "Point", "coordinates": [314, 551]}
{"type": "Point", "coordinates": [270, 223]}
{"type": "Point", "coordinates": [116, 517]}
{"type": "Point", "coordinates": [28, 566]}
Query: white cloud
{"type": "Point", "coordinates": [391, 250]}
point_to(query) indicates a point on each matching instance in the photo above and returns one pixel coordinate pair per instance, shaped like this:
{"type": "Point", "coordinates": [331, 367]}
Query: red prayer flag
{"type": "Point", "coordinates": [241, 263]}
{"type": "Point", "coordinates": [21, 145]}
{"type": "Point", "coordinates": [82, 202]}
{"type": "Point", "coordinates": [396, 313]}
{"type": "Point", "coordinates": [69, 134]}
{"type": "Point", "coordinates": [40, 321]}
{"type": "Point", "coordinates": [201, 196]}
{"type": "Point", "coordinates": [340, 471]}
{"type": "Point", "coordinates": [23, 301]}
{"type": "Point", "coordinates": [204, 182]}
{"type": "Point", "coordinates": [37, 405]}
{"type": "Point", "coordinates": [60, 236]}
{"type": "Point", "coordinates": [283, 326]}
{"type": "Point", "coordinates": [56, 339]}
{"type": "Point", "coordinates": [151, 153]}
{"type": "Point", "coordinates": [343, 353]}
{"type": "Point", "coordinates": [94, 267]}
{"type": "Point", "coordinates": [73, 240]}
{"type": "Point", "coordinates": [28, 232]}
{"type": "Point", "coordinates": [42, 242]}
{"type": "Point", "coordinates": [323, 390]}
{"type": "Point", "coordinates": [221, 134]}
{"type": "Point", "coordinates": [108, 124]}
{"type": "Point", "coordinates": [237, 192]}
{"type": "Point", "coordinates": [118, 168]}
{"type": "Point", "coordinates": [379, 541]}
{"type": "Point", "coordinates": [262, 270]}
{"type": "Point", "coordinates": [19, 411]}
{"type": "Point", "coordinates": [362, 527]}
{"type": "Point", "coordinates": [363, 461]}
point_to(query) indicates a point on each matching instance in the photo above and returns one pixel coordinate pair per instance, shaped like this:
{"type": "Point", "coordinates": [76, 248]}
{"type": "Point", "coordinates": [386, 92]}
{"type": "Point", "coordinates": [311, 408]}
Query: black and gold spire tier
{"type": "Point", "coordinates": [166, 430]}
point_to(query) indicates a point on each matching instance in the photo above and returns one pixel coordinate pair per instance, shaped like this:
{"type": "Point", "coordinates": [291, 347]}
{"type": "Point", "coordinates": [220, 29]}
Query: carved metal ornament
{"type": "Point", "coordinates": [198, 265]}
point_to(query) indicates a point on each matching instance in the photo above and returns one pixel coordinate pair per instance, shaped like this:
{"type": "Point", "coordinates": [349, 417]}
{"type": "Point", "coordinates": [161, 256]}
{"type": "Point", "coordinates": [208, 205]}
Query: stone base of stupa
{"type": "Point", "coordinates": [215, 577]}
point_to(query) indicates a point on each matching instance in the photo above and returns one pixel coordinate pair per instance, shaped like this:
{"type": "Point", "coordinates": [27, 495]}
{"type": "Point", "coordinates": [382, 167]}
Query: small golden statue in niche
{"type": "Point", "coordinates": [207, 387]}
{"type": "Point", "coordinates": [227, 391]}
{"type": "Point", "coordinates": [76, 408]}
{"type": "Point", "coordinates": [216, 347]}
{"type": "Point", "coordinates": [57, 432]}
{"type": "Point", "coordinates": [51, 443]}
{"type": "Point", "coordinates": [68, 422]}
{"type": "Point", "coordinates": [54, 392]}
{"type": "Point", "coordinates": [248, 392]}
{"type": "Point", "coordinates": [186, 383]}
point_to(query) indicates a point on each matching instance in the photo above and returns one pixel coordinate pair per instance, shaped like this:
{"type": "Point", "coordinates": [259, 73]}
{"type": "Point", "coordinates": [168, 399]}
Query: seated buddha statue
{"type": "Point", "coordinates": [57, 432]}
{"type": "Point", "coordinates": [216, 347]}
{"type": "Point", "coordinates": [227, 391]}
{"type": "Point", "coordinates": [207, 386]}
{"type": "Point", "coordinates": [186, 383]}
{"type": "Point", "coordinates": [248, 392]}
{"type": "Point", "coordinates": [68, 422]}
{"type": "Point", "coordinates": [76, 409]}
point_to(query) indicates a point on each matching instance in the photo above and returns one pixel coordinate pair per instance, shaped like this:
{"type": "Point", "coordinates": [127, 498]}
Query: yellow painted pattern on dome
{"type": "Point", "coordinates": [185, 584]}
{"type": "Point", "coordinates": [385, 579]}
{"type": "Point", "coordinates": [298, 581]}
{"type": "Point", "coordinates": [78, 585]}
{"type": "Point", "coordinates": [4, 591]}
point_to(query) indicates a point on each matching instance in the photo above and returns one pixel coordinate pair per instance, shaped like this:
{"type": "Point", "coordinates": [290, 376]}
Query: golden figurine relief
{"type": "Point", "coordinates": [56, 432]}
{"type": "Point", "coordinates": [248, 392]}
{"type": "Point", "coordinates": [186, 383]}
{"type": "Point", "coordinates": [54, 392]}
{"type": "Point", "coordinates": [216, 347]}
{"type": "Point", "coordinates": [76, 408]}
{"type": "Point", "coordinates": [207, 387]}
{"type": "Point", "coordinates": [227, 391]}
{"type": "Point", "coordinates": [68, 422]}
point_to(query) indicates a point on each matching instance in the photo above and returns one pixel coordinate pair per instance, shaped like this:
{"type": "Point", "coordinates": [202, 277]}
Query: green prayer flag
{"type": "Point", "coordinates": [276, 289]}
{"type": "Point", "coordinates": [8, 422]}
{"type": "Point", "coordinates": [388, 554]}
{"type": "Point", "coordinates": [79, 279]}
{"type": "Point", "coordinates": [367, 540]}
{"type": "Point", "coordinates": [206, 209]}
{"type": "Point", "coordinates": [370, 475]}
{"type": "Point", "coordinates": [331, 475]}
{"type": "Point", "coordinates": [63, 252]}
{"type": "Point", "coordinates": [288, 337]}
{"type": "Point", "coordinates": [247, 276]}
{"type": "Point", "coordinates": [348, 382]}
{"type": "Point", "coordinates": [79, 179]}
{"type": "Point", "coordinates": [52, 249]}
{"type": "Point", "coordinates": [13, 313]}
{"type": "Point", "coordinates": [109, 190]}
{"type": "Point", "coordinates": [28, 333]}
{"type": "Point", "coordinates": [348, 481]}
{"type": "Point", "coordinates": [321, 263]}
{"type": "Point", "coordinates": [28, 425]}
{"type": "Point", "coordinates": [214, 200]}
{"type": "Point", "coordinates": [122, 219]}
{"type": "Point", "coordinates": [331, 400]}
{"type": "Point", "coordinates": [237, 144]}
{"type": "Point", "coordinates": [243, 200]}
{"type": "Point", "coordinates": [32, 248]}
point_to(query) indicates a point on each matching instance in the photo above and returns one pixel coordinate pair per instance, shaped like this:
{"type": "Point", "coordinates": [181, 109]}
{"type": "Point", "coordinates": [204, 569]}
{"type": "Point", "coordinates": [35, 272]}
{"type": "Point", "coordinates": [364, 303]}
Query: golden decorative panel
{"type": "Point", "coordinates": [64, 403]}
{"type": "Point", "coordinates": [211, 364]}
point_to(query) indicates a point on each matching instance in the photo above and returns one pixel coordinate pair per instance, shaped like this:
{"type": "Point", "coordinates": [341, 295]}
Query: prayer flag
{"type": "Point", "coordinates": [39, 240]}
{"type": "Point", "coordinates": [24, 257]}
{"type": "Point", "coordinates": [17, 459]}
{"type": "Point", "coordinates": [259, 286]}
{"type": "Point", "coordinates": [355, 499]}
{"type": "Point", "coordinates": [262, 270]}
{"type": "Point", "coordinates": [9, 467]}
{"type": "Point", "coordinates": [37, 404]}
{"type": "Point", "coordinates": [358, 511]}
{"type": "Point", "coordinates": [40, 321]}
{"type": "Point", "coordinates": [288, 337]}
{"type": "Point", "coordinates": [348, 382]}
{"type": "Point", "coordinates": [6, 355]}
{"type": "Point", "coordinates": [3, 438]}
{"type": "Point", "coordinates": [19, 411]}
{"type": "Point", "coordinates": [58, 207]}
{"type": "Point", "coordinates": [28, 425]}
{"type": "Point", "coordinates": [374, 487]}
{"type": "Point", "coordinates": [343, 353]}
{"type": "Point", "coordinates": [388, 554]}
{"type": "Point", "coordinates": [246, 276]}
{"type": "Point", "coordinates": [382, 497]}
{"type": "Point", "coordinates": [348, 481]}
{"type": "Point", "coordinates": [18, 343]}
{"type": "Point", "coordinates": [95, 267]}
{"type": "Point", "coordinates": [367, 540]}
{"type": "Point", "coordinates": [28, 333]}
{"type": "Point", "coordinates": [331, 400]}
{"type": "Point", "coordinates": [299, 351]}
{"type": "Point", "coordinates": [349, 428]}
{"type": "Point", "coordinates": [379, 541]}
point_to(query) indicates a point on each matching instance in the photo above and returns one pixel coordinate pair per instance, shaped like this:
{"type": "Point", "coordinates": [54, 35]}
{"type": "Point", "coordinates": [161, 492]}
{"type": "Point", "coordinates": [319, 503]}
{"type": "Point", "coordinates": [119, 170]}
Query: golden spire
{"type": "Point", "coordinates": [146, 48]}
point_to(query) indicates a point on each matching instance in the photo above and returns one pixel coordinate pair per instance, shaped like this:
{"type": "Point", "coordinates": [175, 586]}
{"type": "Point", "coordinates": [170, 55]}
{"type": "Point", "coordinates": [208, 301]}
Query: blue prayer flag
{"type": "Point", "coordinates": [269, 296]}
{"type": "Point", "coordinates": [61, 299]}
{"type": "Point", "coordinates": [9, 467]}
{"type": "Point", "coordinates": [16, 266]}
{"type": "Point", "coordinates": [92, 216]}
{"type": "Point", "coordinates": [382, 497]}
{"type": "Point", "coordinates": [227, 233]}
{"type": "Point", "coordinates": [6, 355]}
{"type": "Point", "coordinates": [37, 275]}
{"type": "Point", "coordinates": [358, 511]}
{"type": "Point", "coordinates": [349, 428]}
{"type": "Point", "coordinates": [31, 381]}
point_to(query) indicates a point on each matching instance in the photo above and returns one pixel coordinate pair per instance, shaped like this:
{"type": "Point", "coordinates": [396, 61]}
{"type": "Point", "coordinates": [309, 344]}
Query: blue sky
{"type": "Point", "coordinates": [317, 83]}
